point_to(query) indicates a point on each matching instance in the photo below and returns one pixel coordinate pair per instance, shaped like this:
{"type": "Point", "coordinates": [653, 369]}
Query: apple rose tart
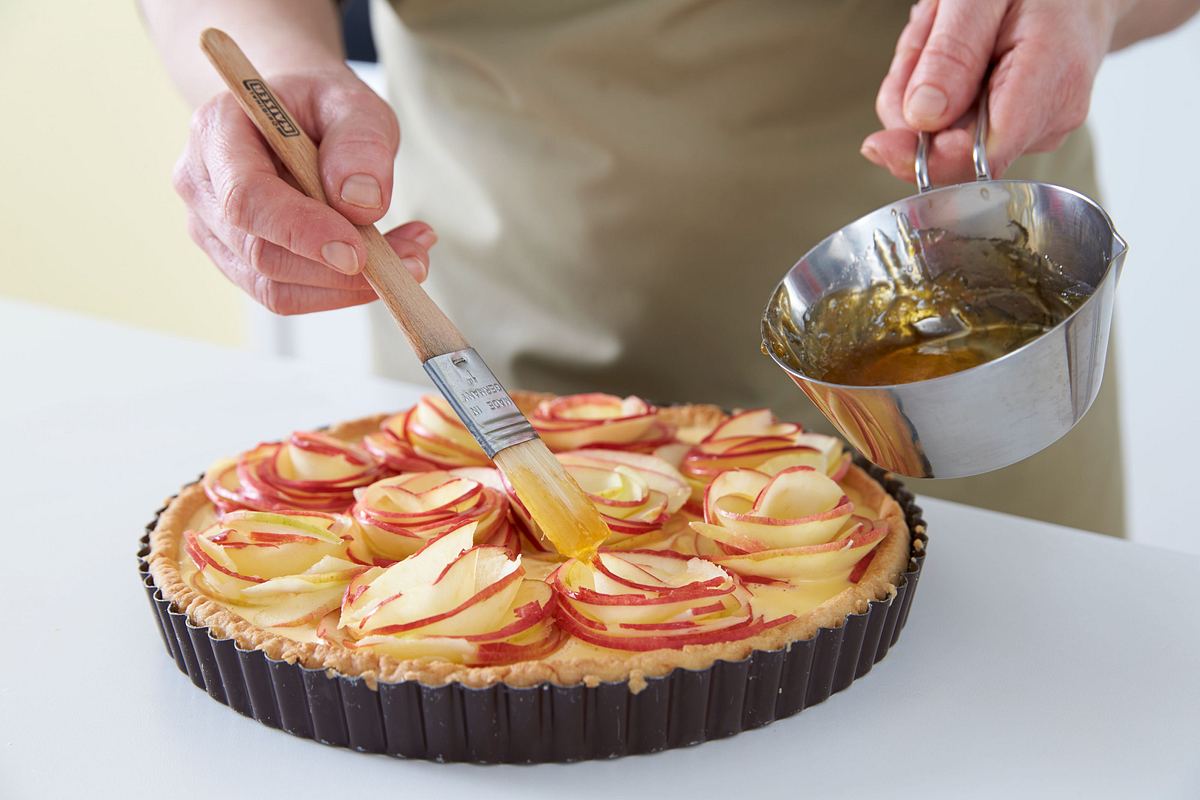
{"type": "Point", "coordinates": [389, 550]}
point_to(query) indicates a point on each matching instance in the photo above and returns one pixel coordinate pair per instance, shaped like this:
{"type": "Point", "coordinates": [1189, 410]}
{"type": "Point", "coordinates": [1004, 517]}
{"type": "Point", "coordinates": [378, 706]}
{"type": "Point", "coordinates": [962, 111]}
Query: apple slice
{"type": "Point", "coordinates": [811, 563]}
{"type": "Point", "coordinates": [322, 527]}
{"type": "Point", "coordinates": [754, 423]}
{"type": "Point", "coordinates": [307, 603]}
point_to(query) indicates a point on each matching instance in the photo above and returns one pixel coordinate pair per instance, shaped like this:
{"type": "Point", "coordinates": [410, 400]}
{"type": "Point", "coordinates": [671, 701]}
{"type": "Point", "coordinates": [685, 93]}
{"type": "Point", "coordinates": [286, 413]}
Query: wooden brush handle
{"type": "Point", "coordinates": [429, 330]}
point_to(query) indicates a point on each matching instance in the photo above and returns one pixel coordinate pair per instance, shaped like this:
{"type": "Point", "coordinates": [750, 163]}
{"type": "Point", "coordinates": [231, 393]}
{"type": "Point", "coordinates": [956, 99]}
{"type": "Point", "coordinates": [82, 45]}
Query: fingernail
{"type": "Point", "coordinates": [341, 257]}
{"type": "Point", "coordinates": [363, 191]}
{"type": "Point", "coordinates": [925, 104]}
{"type": "Point", "coordinates": [415, 267]}
{"type": "Point", "coordinates": [870, 153]}
{"type": "Point", "coordinates": [426, 238]}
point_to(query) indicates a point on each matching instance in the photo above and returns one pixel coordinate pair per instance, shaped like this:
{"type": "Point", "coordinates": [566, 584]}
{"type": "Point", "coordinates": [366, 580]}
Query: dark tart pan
{"type": "Point", "coordinates": [544, 723]}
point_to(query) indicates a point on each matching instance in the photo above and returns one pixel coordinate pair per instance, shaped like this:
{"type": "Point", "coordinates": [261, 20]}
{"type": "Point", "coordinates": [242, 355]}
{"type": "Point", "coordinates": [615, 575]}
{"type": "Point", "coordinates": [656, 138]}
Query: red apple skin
{"type": "Point", "coordinates": [860, 568]}
{"type": "Point", "coordinates": [494, 653]}
{"type": "Point", "coordinates": [203, 561]}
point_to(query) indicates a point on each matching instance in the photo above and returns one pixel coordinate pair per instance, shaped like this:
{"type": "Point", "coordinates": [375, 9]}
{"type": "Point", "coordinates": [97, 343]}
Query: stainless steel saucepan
{"type": "Point", "coordinates": [994, 414]}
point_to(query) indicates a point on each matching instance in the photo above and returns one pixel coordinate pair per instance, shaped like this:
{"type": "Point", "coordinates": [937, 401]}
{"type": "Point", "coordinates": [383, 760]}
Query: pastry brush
{"type": "Point", "coordinates": [560, 508]}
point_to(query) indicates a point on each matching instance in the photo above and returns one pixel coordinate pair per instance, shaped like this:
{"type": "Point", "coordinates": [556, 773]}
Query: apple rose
{"type": "Point", "coordinates": [310, 471]}
{"type": "Point", "coordinates": [452, 600]}
{"type": "Point", "coordinates": [652, 600]}
{"type": "Point", "coordinates": [435, 434]}
{"type": "Point", "coordinates": [401, 514]}
{"type": "Point", "coordinates": [599, 420]}
{"type": "Point", "coordinates": [390, 445]}
{"type": "Point", "coordinates": [757, 440]}
{"type": "Point", "coordinates": [276, 570]}
{"type": "Point", "coordinates": [796, 526]}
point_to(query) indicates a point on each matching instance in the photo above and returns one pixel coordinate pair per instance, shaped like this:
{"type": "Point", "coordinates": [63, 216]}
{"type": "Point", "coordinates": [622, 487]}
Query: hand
{"type": "Point", "coordinates": [289, 252]}
{"type": "Point", "coordinates": [1044, 56]}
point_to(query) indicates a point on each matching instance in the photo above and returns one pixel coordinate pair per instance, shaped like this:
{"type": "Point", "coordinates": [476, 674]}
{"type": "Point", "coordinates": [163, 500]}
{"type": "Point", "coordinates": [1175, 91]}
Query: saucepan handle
{"type": "Point", "coordinates": [978, 152]}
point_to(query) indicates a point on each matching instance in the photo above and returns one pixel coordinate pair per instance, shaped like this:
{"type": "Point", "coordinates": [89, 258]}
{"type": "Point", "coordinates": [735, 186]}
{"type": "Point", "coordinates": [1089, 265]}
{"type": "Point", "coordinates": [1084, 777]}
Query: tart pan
{"type": "Point", "coordinates": [547, 722]}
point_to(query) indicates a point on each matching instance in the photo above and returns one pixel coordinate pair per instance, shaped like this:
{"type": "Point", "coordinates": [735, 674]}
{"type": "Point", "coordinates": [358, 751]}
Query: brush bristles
{"type": "Point", "coordinates": [553, 498]}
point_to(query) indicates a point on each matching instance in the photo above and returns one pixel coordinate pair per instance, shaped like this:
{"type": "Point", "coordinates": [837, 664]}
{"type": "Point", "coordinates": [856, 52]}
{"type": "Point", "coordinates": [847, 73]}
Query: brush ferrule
{"type": "Point", "coordinates": [480, 401]}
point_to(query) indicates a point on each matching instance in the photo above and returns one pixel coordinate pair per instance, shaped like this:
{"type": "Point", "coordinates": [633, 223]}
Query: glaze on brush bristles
{"type": "Point", "coordinates": [560, 508]}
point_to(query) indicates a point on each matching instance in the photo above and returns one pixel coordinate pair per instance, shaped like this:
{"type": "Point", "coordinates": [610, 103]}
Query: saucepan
{"type": "Point", "coordinates": [991, 415]}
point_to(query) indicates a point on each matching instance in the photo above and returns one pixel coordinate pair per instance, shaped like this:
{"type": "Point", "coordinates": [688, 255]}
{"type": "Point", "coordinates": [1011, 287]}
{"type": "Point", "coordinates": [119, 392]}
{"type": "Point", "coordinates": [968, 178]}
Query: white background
{"type": "Point", "coordinates": [1146, 122]}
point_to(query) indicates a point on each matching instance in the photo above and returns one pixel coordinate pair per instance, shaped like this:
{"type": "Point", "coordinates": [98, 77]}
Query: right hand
{"type": "Point", "coordinates": [289, 252]}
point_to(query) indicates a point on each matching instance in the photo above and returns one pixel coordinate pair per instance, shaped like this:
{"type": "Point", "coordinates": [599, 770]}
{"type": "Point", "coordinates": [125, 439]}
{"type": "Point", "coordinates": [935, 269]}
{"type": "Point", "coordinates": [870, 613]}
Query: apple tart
{"type": "Point", "coordinates": [379, 585]}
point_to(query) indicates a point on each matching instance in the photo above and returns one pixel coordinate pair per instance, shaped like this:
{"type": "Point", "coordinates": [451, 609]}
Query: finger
{"type": "Point", "coordinates": [1038, 94]}
{"type": "Point", "coordinates": [949, 71]}
{"type": "Point", "coordinates": [413, 254]}
{"type": "Point", "coordinates": [889, 102]}
{"type": "Point", "coordinates": [267, 258]}
{"type": "Point", "coordinates": [420, 232]}
{"type": "Point", "coordinates": [284, 266]}
{"type": "Point", "coordinates": [359, 138]}
{"type": "Point", "coordinates": [253, 198]}
{"type": "Point", "coordinates": [280, 298]}
{"type": "Point", "coordinates": [949, 154]}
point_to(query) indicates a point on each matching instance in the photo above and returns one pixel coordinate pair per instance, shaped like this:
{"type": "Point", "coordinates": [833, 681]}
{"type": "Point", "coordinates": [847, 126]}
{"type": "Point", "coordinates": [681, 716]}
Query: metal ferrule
{"type": "Point", "coordinates": [479, 400]}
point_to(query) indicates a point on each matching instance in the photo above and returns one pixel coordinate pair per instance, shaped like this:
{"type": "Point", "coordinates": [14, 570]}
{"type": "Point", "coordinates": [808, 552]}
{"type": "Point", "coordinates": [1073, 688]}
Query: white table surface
{"type": "Point", "coordinates": [1037, 660]}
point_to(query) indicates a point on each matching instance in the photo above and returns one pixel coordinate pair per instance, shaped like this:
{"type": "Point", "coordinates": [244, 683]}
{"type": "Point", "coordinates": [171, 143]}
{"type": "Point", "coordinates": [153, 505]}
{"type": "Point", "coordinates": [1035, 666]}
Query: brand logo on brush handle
{"type": "Point", "coordinates": [271, 107]}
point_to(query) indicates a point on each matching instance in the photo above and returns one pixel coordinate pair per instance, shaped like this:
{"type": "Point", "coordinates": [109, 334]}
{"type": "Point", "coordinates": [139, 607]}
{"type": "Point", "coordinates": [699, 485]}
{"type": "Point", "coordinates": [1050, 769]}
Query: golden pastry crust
{"type": "Point", "coordinates": [879, 582]}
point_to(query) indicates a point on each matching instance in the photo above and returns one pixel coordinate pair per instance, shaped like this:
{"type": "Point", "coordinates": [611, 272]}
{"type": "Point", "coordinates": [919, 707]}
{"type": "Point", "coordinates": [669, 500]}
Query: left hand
{"type": "Point", "coordinates": [1044, 56]}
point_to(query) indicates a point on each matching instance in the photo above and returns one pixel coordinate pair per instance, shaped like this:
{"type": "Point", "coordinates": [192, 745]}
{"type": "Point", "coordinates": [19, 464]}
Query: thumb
{"type": "Point", "coordinates": [359, 137]}
{"type": "Point", "coordinates": [949, 71]}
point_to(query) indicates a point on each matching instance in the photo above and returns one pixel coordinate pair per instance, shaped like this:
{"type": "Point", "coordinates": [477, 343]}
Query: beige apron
{"type": "Point", "coordinates": [619, 184]}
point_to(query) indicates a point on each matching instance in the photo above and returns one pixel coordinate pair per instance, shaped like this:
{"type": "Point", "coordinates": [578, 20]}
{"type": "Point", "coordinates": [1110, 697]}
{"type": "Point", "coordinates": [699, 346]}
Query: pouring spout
{"type": "Point", "coordinates": [1119, 249]}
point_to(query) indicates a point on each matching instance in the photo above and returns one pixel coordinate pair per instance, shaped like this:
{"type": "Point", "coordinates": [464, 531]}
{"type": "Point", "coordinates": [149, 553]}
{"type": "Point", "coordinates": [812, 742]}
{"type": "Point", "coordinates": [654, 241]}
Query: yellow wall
{"type": "Point", "coordinates": [90, 128]}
